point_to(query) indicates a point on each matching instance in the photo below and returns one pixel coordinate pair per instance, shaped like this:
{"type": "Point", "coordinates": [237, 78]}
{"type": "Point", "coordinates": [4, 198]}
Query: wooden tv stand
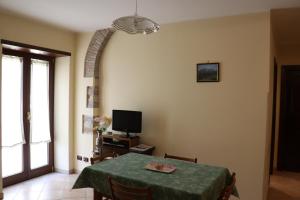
{"type": "Point", "coordinates": [118, 144]}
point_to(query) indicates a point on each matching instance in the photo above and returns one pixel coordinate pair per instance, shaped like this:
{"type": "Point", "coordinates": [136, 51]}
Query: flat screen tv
{"type": "Point", "coordinates": [127, 121]}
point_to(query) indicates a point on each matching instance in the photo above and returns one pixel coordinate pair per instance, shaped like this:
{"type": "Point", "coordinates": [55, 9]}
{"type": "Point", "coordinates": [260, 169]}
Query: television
{"type": "Point", "coordinates": [127, 121]}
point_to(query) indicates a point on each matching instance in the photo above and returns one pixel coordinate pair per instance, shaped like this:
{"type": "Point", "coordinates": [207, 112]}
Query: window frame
{"type": "Point", "coordinates": [27, 172]}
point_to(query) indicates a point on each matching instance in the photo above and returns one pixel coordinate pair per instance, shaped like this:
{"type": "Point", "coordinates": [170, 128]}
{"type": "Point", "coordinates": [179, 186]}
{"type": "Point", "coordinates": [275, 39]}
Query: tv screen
{"type": "Point", "coordinates": [127, 121]}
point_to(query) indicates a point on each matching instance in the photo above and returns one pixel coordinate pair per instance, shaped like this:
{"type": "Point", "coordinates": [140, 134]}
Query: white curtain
{"type": "Point", "coordinates": [39, 102]}
{"type": "Point", "coordinates": [11, 99]}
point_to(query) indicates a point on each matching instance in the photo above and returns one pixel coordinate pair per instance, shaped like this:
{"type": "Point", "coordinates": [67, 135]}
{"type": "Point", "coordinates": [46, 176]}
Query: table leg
{"type": "Point", "coordinates": [97, 195]}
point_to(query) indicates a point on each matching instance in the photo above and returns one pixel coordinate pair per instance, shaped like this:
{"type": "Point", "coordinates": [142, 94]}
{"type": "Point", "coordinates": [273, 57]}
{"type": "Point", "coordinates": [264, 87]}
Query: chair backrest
{"type": "Point", "coordinates": [95, 159]}
{"type": "Point", "coordinates": [181, 158]}
{"type": "Point", "coordinates": [107, 156]}
{"type": "Point", "coordinates": [122, 192]}
{"type": "Point", "coordinates": [228, 190]}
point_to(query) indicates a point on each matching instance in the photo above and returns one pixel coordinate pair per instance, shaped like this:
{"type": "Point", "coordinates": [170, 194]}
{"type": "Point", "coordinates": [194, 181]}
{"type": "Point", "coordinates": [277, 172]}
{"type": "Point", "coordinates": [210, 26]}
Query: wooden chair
{"type": "Point", "coordinates": [194, 160]}
{"type": "Point", "coordinates": [122, 192]}
{"type": "Point", "coordinates": [107, 156]}
{"type": "Point", "coordinates": [228, 189]}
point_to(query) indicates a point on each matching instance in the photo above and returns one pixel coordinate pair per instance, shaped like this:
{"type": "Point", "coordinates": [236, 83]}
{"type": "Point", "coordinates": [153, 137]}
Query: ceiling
{"type": "Point", "coordinates": [90, 15]}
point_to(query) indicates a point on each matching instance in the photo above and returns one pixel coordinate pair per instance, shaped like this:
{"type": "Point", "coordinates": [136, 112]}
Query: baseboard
{"type": "Point", "coordinates": [1, 195]}
{"type": "Point", "coordinates": [76, 171]}
{"type": "Point", "coordinates": [62, 171]}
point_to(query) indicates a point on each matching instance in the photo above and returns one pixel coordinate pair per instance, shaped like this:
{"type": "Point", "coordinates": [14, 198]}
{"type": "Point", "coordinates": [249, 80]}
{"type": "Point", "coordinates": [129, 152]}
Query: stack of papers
{"type": "Point", "coordinates": [141, 148]}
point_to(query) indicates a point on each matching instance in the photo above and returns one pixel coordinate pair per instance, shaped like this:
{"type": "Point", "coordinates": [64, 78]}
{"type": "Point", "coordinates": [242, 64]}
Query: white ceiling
{"type": "Point", "coordinates": [90, 15]}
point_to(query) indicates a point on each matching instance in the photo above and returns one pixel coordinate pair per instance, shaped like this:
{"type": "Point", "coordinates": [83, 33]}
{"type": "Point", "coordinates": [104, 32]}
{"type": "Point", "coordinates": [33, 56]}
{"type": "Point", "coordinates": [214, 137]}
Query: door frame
{"type": "Point", "coordinates": [27, 172]}
{"type": "Point", "coordinates": [274, 116]}
{"type": "Point", "coordinates": [282, 118]}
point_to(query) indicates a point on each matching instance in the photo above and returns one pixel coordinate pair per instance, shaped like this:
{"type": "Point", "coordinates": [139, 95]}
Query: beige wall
{"type": "Point", "coordinates": [289, 54]}
{"type": "Point", "coordinates": [83, 143]}
{"type": "Point", "coordinates": [221, 123]}
{"type": "Point", "coordinates": [63, 162]}
{"type": "Point", "coordinates": [269, 113]}
{"type": "Point", "coordinates": [35, 33]}
{"type": "Point", "coordinates": [32, 32]}
{"type": "Point", "coordinates": [1, 186]}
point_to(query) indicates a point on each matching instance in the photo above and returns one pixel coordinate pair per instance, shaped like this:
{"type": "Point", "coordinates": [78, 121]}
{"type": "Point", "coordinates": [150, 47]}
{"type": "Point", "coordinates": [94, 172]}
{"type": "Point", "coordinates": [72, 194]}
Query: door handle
{"type": "Point", "coordinates": [28, 116]}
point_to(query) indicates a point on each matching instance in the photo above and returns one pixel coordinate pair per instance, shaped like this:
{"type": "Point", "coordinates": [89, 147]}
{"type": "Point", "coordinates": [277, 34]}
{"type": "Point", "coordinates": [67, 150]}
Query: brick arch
{"type": "Point", "coordinates": [92, 64]}
{"type": "Point", "coordinates": [94, 52]}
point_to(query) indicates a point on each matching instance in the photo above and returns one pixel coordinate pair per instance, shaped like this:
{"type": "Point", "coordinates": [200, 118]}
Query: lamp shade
{"type": "Point", "coordinates": [135, 24]}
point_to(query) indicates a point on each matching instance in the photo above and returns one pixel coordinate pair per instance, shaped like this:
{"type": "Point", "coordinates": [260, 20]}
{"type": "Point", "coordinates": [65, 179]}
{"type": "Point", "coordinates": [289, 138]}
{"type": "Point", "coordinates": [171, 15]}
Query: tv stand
{"type": "Point", "coordinates": [118, 144]}
{"type": "Point", "coordinates": [127, 135]}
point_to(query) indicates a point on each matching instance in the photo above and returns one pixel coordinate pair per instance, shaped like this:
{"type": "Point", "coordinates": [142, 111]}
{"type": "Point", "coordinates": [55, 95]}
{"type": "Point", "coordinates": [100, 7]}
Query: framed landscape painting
{"type": "Point", "coordinates": [208, 72]}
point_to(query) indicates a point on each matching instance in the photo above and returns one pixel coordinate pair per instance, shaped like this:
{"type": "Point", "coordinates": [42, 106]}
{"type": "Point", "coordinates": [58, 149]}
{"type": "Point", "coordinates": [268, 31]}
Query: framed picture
{"type": "Point", "coordinates": [208, 72]}
{"type": "Point", "coordinates": [88, 123]}
{"type": "Point", "coordinates": [92, 97]}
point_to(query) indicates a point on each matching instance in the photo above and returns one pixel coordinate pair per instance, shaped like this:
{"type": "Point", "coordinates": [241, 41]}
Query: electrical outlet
{"type": "Point", "coordinates": [79, 157]}
{"type": "Point", "coordinates": [85, 159]}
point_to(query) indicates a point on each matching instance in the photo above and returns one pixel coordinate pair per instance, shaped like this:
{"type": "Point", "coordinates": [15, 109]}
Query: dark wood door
{"type": "Point", "coordinates": [289, 136]}
{"type": "Point", "coordinates": [273, 133]}
{"type": "Point", "coordinates": [24, 161]}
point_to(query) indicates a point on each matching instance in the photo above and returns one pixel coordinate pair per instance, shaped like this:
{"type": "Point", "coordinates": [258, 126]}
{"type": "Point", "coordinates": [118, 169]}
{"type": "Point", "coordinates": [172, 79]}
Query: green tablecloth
{"type": "Point", "coordinates": [190, 181]}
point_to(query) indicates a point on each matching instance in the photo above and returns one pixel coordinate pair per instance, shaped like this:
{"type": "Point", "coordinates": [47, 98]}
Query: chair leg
{"type": "Point", "coordinates": [97, 195]}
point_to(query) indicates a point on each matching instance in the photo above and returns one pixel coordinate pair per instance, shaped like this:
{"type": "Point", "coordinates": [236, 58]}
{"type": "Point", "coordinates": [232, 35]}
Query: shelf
{"type": "Point", "coordinates": [119, 137]}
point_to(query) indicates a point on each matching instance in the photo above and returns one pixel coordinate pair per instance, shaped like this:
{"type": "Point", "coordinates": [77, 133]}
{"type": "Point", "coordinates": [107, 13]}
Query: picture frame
{"type": "Point", "coordinates": [88, 123]}
{"type": "Point", "coordinates": [208, 72]}
{"type": "Point", "coordinates": [92, 97]}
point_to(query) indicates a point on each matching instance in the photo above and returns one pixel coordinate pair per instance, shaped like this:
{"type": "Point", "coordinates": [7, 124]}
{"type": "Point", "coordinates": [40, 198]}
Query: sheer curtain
{"type": "Point", "coordinates": [39, 102]}
{"type": "Point", "coordinates": [12, 109]}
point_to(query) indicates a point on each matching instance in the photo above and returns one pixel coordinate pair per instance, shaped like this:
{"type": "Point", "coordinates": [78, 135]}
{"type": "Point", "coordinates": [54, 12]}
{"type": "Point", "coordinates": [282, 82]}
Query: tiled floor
{"type": "Point", "coordinates": [53, 186]}
{"type": "Point", "coordinates": [285, 186]}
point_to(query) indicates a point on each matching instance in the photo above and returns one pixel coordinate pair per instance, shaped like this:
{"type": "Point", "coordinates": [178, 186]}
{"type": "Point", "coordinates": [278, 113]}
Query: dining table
{"type": "Point", "coordinates": [189, 181]}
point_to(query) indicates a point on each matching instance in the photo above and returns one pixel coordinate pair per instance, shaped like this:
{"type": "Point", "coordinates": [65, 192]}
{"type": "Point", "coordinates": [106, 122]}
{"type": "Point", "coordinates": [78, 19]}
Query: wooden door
{"type": "Point", "coordinates": [31, 77]}
{"type": "Point", "coordinates": [289, 136]}
{"type": "Point", "coordinates": [273, 133]}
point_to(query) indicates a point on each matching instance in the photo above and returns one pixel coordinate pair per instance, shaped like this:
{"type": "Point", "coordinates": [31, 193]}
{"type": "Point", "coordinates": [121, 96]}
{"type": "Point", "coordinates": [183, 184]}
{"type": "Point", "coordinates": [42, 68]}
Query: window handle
{"type": "Point", "coordinates": [28, 116]}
